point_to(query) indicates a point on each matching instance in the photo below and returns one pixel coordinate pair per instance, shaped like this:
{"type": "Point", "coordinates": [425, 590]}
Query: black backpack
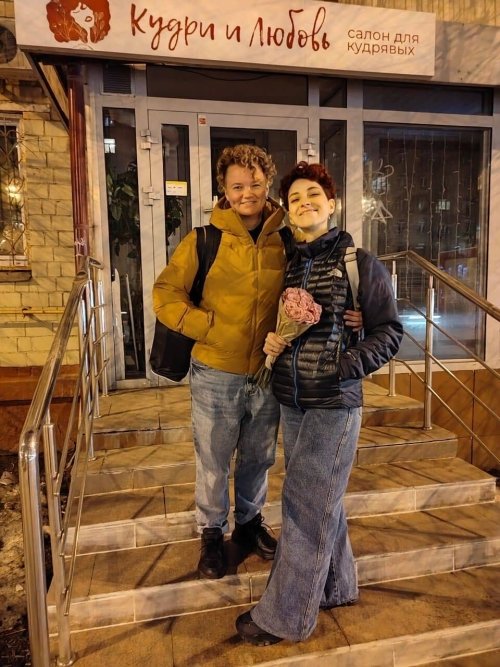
{"type": "Point", "coordinates": [171, 351]}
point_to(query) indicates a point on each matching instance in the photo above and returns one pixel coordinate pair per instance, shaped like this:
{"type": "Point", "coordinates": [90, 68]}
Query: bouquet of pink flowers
{"type": "Point", "coordinates": [297, 311]}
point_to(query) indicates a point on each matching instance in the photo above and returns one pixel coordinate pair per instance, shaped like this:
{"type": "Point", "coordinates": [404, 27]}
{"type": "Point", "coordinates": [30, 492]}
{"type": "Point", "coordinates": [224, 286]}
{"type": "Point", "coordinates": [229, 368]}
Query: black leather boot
{"type": "Point", "coordinates": [213, 563]}
{"type": "Point", "coordinates": [252, 536]}
{"type": "Point", "coordinates": [251, 633]}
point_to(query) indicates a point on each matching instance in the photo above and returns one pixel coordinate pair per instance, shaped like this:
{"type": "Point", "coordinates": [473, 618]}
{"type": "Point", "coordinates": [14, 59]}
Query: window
{"type": "Point", "coordinates": [332, 92]}
{"type": "Point", "coordinates": [424, 190]}
{"type": "Point", "coordinates": [428, 98]}
{"type": "Point", "coordinates": [13, 251]}
{"type": "Point", "coordinates": [332, 155]}
{"type": "Point", "coordinates": [229, 85]}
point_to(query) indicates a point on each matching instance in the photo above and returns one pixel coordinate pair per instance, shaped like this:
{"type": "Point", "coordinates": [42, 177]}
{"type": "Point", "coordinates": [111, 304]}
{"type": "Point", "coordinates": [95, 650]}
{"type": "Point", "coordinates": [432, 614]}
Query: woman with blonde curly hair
{"type": "Point", "coordinates": [230, 413]}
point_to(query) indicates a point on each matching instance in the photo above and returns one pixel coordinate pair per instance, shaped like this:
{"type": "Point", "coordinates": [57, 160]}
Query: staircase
{"type": "Point", "coordinates": [424, 526]}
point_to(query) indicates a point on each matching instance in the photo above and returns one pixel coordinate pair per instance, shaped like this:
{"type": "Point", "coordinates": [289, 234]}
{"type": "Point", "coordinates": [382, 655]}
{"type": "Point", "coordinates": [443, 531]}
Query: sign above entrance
{"type": "Point", "coordinates": [305, 35]}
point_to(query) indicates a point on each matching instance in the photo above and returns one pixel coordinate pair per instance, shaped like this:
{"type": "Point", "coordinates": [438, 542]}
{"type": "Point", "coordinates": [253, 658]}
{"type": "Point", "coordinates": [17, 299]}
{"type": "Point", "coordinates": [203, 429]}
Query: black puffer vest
{"type": "Point", "coordinates": [306, 375]}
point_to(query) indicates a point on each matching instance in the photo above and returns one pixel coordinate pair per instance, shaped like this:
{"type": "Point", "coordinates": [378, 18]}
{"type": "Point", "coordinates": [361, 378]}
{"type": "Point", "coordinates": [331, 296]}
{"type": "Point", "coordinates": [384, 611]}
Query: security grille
{"type": "Point", "coordinates": [12, 220]}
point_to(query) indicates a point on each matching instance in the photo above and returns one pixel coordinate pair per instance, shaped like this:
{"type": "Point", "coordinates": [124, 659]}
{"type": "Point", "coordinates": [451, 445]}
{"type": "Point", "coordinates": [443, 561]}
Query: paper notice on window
{"type": "Point", "coordinates": [176, 188]}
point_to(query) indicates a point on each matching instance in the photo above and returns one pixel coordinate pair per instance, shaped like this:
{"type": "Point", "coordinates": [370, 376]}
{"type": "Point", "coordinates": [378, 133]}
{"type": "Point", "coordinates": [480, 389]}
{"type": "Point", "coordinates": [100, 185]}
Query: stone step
{"type": "Point", "coordinates": [161, 580]}
{"type": "Point", "coordinates": [386, 443]}
{"type": "Point", "coordinates": [411, 622]}
{"type": "Point", "coordinates": [439, 617]}
{"type": "Point", "coordinates": [155, 642]}
{"type": "Point", "coordinates": [148, 466]}
{"type": "Point", "coordinates": [483, 659]}
{"type": "Point", "coordinates": [132, 518]}
{"type": "Point", "coordinates": [163, 415]}
{"type": "Point", "coordinates": [173, 463]}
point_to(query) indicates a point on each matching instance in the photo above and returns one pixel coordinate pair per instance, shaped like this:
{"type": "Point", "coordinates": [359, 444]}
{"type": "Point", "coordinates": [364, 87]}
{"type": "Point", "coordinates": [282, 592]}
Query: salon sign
{"type": "Point", "coordinates": [302, 35]}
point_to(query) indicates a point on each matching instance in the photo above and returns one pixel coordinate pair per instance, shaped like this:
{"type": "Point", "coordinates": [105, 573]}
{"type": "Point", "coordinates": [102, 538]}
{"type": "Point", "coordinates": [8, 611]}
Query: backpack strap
{"type": "Point", "coordinates": [351, 265]}
{"type": "Point", "coordinates": [207, 244]}
{"type": "Point", "coordinates": [287, 238]}
{"type": "Point", "coordinates": [208, 240]}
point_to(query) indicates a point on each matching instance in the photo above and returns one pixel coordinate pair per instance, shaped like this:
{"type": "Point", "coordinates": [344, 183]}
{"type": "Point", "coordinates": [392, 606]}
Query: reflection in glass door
{"type": "Point", "coordinates": [423, 191]}
{"type": "Point", "coordinates": [124, 242]}
{"type": "Point", "coordinates": [332, 155]}
{"type": "Point", "coordinates": [177, 179]}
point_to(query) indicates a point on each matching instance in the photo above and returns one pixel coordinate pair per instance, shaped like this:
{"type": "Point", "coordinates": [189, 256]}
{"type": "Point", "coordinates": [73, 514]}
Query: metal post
{"type": "Point", "coordinates": [90, 385]}
{"type": "Point", "coordinates": [132, 321]}
{"type": "Point", "coordinates": [84, 316]}
{"type": "Point", "coordinates": [392, 363]}
{"type": "Point", "coordinates": [429, 335]}
{"type": "Point", "coordinates": [79, 175]}
{"type": "Point", "coordinates": [65, 657]}
{"type": "Point", "coordinates": [102, 338]}
{"type": "Point", "coordinates": [34, 555]}
{"type": "Point", "coordinates": [94, 357]}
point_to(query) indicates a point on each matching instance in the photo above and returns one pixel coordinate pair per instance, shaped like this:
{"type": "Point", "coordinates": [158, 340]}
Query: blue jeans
{"type": "Point", "coordinates": [231, 414]}
{"type": "Point", "coordinates": [314, 566]}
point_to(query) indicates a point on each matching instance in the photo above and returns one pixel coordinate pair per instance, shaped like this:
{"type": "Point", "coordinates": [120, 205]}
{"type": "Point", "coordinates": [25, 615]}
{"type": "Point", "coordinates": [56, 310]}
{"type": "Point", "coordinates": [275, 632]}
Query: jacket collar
{"type": "Point", "coordinates": [333, 238]}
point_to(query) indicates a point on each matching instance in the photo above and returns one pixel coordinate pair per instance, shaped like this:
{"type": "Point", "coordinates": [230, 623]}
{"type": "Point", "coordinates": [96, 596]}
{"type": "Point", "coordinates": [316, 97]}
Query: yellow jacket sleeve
{"type": "Point", "coordinates": [171, 301]}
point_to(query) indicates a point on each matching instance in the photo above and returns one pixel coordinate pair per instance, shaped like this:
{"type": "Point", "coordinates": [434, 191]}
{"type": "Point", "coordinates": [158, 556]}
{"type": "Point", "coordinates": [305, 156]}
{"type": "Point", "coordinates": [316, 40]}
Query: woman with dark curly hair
{"type": "Point", "coordinates": [317, 380]}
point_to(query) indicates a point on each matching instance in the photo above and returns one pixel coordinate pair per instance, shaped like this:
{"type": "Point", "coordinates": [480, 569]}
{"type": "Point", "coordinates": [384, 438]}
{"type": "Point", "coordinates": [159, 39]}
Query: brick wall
{"type": "Point", "coordinates": [7, 9]}
{"type": "Point", "coordinates": [26, 339]}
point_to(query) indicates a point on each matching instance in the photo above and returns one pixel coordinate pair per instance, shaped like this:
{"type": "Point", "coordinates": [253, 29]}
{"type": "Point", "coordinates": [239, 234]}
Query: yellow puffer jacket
{"type": "Point", "coordinates": [240, 297]}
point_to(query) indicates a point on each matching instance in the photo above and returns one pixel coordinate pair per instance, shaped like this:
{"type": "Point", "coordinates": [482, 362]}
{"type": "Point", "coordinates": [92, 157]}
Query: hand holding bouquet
{"type": "Point", "coordinates": [297, 312]}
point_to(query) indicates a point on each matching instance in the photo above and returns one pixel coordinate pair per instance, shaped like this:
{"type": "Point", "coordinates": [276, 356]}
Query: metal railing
{"type": "Point", "coordinates": [85, 307]}
{"type": "Point", "coordinates": [86, 304]}
{"type": "Point", "coordinates": [431, 361]}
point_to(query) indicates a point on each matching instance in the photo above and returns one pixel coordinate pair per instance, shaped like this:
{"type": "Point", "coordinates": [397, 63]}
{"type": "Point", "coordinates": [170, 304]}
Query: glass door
{"type": "Point", "coordinates": [179, 188]}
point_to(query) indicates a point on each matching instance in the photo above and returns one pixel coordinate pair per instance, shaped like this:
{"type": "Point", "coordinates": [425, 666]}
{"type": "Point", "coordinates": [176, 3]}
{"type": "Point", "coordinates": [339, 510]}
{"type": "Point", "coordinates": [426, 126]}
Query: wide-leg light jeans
{"type": "Point", "coordinates": [231, 414]}
{"type": "Point", "coordinates": [314, 565]}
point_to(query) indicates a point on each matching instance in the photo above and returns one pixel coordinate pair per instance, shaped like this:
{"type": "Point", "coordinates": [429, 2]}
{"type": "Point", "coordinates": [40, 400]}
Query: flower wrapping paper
{"type": "Point", "coordinates": [297, 311]}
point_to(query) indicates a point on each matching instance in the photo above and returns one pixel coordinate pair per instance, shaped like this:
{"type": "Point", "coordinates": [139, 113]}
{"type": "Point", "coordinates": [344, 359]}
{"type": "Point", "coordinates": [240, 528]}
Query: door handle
{"type": "Point", "coordinates": [147, 140]}
{"type": "Point", "coordinates": [150, 199]}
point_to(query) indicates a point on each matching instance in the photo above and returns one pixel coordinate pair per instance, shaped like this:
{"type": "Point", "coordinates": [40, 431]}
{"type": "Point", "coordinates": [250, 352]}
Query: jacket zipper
{"type": "Point", "coordinates": [296, 349]}
{"type": "Point", "coordinates": [255, 260]}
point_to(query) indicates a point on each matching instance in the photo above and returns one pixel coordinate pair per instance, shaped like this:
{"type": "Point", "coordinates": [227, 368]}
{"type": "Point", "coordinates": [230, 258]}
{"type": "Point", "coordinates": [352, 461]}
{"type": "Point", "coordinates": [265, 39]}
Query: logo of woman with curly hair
{"type": "Point", "coordinates": [75, 21]}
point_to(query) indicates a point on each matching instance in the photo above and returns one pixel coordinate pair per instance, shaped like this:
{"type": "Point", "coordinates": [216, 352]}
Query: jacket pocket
{"type": "Point", "coordinates": [328, 360]}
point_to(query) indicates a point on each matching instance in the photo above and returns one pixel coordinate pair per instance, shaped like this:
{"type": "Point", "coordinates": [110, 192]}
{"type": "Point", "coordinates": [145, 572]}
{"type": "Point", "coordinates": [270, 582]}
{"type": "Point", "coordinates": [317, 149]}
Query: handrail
{"type": "Point", "coordinates": [83, 303]}
{"type": "Point", "coordinates": [455, 284]}
{"type": "Point", "coordinates": [430, 358]}
{"type": "Point", "coordinates": [455, 341]}
{"type": "Point", "coordinates": [445, 405]}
